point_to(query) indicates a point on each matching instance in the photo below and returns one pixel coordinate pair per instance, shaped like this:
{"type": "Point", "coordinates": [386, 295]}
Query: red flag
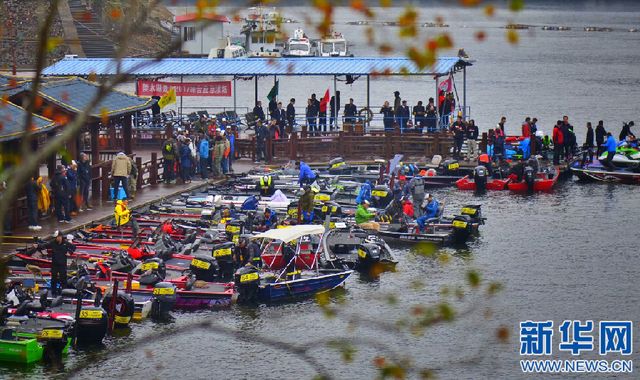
{"type": "Point", "coordinates": [325, 100]}
{"type": "Point", "coordinates": [446, 85]}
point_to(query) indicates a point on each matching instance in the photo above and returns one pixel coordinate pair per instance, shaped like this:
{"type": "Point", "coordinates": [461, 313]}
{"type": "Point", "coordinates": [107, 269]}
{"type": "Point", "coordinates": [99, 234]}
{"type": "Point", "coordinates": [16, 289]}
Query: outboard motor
{"type": "Point", "coordinates": [330, 208]}
{"type": "Point", "coordinates": [450, 167]}
{"type": "Point", "coordinates": [381, 196]}
{"type": "Point", "coordinates": [122, 262]}
{"type": "Point", "coordinates": [368, 255]}
{"type": "Point", "coordinates": [152, 271]}
{"type": "Point", "coordinates": [292, 210]}
{"type": "Point", "coordinates": [223, 254]}
{"type": "Point", "coordinates": [461, 228]}
{"type": "Point", "coordinates": [234, 229]}
{"type": "Point", "coordinates": [247, 282]}
{"type": "Point", "coordinates": [474, 212]}
{"type": "Point", "coordinates": [480, 175]}
{"type": "Point", "coordinates": [529, 177]}
{"type": "Point", "coordinates": [91, 325]}
{"type": "Point", "coordinates": [124, 309]}
{"type": "Point", "coordinates": [338, 166]}
{"type": "Point", "coordinates": [163, 300]}
{"type": "Point", "coordinates": [205, 268]}
{"type": "Point", "coordinates": [82, 276]}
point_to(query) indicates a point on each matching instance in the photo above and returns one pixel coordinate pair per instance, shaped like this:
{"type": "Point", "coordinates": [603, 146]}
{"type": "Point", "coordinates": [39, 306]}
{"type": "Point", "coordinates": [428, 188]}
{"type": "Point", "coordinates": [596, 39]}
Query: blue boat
{"type": "Point", "coordinates": [302, 287]}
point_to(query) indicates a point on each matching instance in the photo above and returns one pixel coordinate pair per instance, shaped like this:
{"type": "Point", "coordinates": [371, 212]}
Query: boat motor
{"type": "Point", "coordinates": [474, 212]}
{"type": "Point", "coordinates": [152, 271]}
{"type": "Point", "coordinates": [223, 254]}
{"type": "Point", "coordinates": [529, 176]}
{"type": "Point", "coordinates": [234, 228]}
{"type": "Point", "coordinates": [123, 310]}
{"type": "Point", "coordinates": [480, 175]}
{"type": "Point", "coordinates": [368, 255]}
{"type": "Point", "coordinates": [450, 167]}
{"type": "Point", "coordinates": [381, 196]}
{"type": "Point", "coordinates": [247, 282]}
{"type": "Point", "coordinates": [163, 300]}
{"type": "Point", "coordinates": [91, 326]}
{"type": "Point", "coordinates": [205, 268]}
{"type": "Point", "coordinates": [122, 262]}
{"type": "Point", "coordinates": [461, 228]}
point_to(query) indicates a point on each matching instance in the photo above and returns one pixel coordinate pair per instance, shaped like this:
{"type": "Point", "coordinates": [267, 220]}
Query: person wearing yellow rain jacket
{"type": "Point", "coordinates": [123, 217]}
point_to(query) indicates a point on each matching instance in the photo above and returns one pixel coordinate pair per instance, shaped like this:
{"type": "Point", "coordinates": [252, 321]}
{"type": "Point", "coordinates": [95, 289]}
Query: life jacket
{"type": "Point", "coordinates": [265, 185]}
{"type": "Point", "coordinates": [168, 147]}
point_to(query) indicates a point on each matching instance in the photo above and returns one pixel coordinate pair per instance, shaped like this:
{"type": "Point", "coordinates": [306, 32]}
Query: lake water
{"type": "Point", "coordinates": [571, 254]}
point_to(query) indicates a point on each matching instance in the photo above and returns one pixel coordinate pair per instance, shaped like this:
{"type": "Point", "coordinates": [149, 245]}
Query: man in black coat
{"type": "Point", "coordinates": [262, 132]}
{"type": "Point", "coordinates": [402, 116]}
{"type": "Point", "coordinates": [281, 116]}
{"type": "Point", "coordinates": [84, 179]}
{"type": "Point", "coordinates": [291, 114]}
{"type": "Point", "coordinates": [258, 111]}
{"type": "Point", "coordinates": [350, 112]}
{"type": "Point", "coordinates": [601, 135]}
{"type": "Point", "coordinates": [273, 105]}
{"type": "Point", "coordinates": [59, 247]}
{"type": "Point", "coordinates": [333, 112]}
{"type": "Point", "coordinates": [61, 192]}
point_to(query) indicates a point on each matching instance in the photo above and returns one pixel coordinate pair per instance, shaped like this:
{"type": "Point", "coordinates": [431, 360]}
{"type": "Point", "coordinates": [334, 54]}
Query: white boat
{"type": "Point", "coordinates": [334, 45]}
{"type": "Point", "coordinates": [261, 31]}
{"type": "Point", "coordinates": [229, 51]}
{"type": "Point", "coordinates": [298, 45]}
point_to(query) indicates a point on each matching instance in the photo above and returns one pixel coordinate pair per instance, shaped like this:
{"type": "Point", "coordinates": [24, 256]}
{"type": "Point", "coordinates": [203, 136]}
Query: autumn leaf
{"type": "Point", "coordinates": [502, 333]}
{"type": "Point", "coordinates": [470, 3]}
{"type": "Point", "coordinates": [93, 77]}
{"type": "Point", "coordinates": [53, 42]}
{"type": "Point", "coordinates": [38, 102]}
{"type": "Point", "coordinates": [407, 23]}
{"type": "Point", "coordinates": [512, 36]}
{"type": "Point", "coordinates": [48, 112]}
{"type": "Point", "coordinates": [480, 35]}
{"type": "Point", "coordinates": [444, 41]}
{"type": "Point", "coordinates": [516, 5]}
{"type": "Point", "coordinates": [115, 13]}
{"type": "Point", "coordinates": [104, 115]}
{"type": "Point", "coordinates": [489, 10]}
{"type": "Point", "coordinates": [386, 3]}
{"type": "Point", "coordinates": [473, 278]}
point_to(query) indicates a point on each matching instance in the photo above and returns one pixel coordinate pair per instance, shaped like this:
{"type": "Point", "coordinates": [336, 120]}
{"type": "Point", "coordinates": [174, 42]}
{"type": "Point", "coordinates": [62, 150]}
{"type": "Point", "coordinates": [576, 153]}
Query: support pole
{"type": "Point", "coordinates": [127, 131]}
{"type": "Point", "coordinates": [255, 90]}
{"type": "Point", "coordinates": [368, 92]}
{"type": "Point", "coordinates": [180, 111]}
{"type": "Point", "coordinates": [95, 158]}
{"type": "Point", "coordinates": [234, 94]}
{"type": "Point", "coordinates": [275, 80]}
{"type": "Point", "coordinates": [335, 103]}
{"type": "Point", "coordinates": [437, 104]}
{"type": "Point", "coordinates": [464, 93]}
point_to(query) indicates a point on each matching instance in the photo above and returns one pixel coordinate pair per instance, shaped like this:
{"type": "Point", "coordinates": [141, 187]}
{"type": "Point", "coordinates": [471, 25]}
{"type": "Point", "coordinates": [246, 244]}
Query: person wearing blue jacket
{"type": "Point", "coordinates": [430, 211]}
{"type": "Point", "coordinates": [185, 161]}
{"type": "Point", "coordinates": [610, 145]}
{"type": "Point", "coordinates": [525, 145]}
{"type": "Point", "coordinates": [365, 193]}
{"type": "Point", "coordinates": [270, 219]}
{"type": "Point", "coordinates": [306, 174]}
{"type": "Point", "coordinates": [203, 151]}
{"type": "Point", "coordinates": [232, 147]}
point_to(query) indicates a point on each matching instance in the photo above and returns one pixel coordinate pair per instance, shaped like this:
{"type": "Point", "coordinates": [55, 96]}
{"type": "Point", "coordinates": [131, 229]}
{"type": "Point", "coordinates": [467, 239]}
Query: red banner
{"type": "Point", "coordinates": [151, 88]}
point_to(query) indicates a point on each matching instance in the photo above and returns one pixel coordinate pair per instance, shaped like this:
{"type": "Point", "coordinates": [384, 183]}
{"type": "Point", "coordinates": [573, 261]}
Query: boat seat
{"type": "Point", "coordinates": [8, 334]}
{"type": "Point", "coordinates": [56, 301]}
{"type": "Point", "coordinates": [69, 293]}
{"type": "Point", "coordinates": [342, 249]}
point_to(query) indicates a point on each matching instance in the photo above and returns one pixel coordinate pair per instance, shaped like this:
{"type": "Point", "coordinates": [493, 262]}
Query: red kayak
{"type": "Point", "coordinates": [467, 183]}
{"type": "Point", "coordinates": [541, 183]}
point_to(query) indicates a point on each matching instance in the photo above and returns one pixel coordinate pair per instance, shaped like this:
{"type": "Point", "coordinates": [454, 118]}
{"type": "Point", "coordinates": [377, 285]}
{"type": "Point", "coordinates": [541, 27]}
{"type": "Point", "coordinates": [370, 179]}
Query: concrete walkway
{"type": "Point", "coordinates": [103, 211]}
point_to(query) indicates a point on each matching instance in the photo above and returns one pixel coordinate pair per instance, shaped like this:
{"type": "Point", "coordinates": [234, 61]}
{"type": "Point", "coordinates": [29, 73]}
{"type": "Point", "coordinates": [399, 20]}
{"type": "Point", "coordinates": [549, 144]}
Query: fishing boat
{"type": "Point", "coordinates": [597, 172]}
{"type": "Point", "coordinates": [535, 182]}
{"type": "Point", "coordinates": [495, 184]}
{"type": "Point", "coordinates": [261, 31]}
{"type": "Point", "coordinates": [298, 46]}
{"type": "Point", "coordinates": [333, 45]}
{"type": "Point", "coordinates": [292, 281]}
{"type": "Point", "coordinates": [355, 248]}
{"type": "Point", "coordinates": [229, 51]}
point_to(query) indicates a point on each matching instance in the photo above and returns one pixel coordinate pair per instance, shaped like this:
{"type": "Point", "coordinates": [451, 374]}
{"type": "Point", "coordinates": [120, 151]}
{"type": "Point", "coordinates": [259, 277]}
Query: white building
{"type": "Point", "coordinates": [201, 34]}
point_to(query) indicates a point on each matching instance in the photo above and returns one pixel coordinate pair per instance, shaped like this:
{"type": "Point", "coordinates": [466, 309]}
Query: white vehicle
{"type": "Point", "coordinates": [334, 45]}
{"type": "Point", "coordinates": [229, 51]}
{"type": "Point", "coordinates": [299, 45]}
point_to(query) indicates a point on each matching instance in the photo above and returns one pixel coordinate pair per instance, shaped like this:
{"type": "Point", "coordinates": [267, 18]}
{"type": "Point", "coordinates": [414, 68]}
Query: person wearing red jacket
{"type": "Point", "coordinates": [526, 128]}
{"type": "Point", "coordinates": [558, 142]}
{"type": "Point", "coordinates": [407, 208]}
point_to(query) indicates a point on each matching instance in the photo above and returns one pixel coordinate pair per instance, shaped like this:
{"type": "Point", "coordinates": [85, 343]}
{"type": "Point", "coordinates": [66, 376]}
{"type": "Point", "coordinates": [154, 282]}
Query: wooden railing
{"type": "Point", "coordinates": [350, 146]}
{"type": "Point", "coordinates": [149, 173]}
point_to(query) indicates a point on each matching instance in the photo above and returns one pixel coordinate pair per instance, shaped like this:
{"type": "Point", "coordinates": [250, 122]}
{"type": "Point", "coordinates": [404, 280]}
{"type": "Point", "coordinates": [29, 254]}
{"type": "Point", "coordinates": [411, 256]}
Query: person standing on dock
{"type": "Point", "coordinates": [350, 112]}
{"type": "Point", "coordinates": [291, 115]}
{"type": "Point", "coordinates": [169, 154]}
{"type": "Point", "coordinates": [33, 189]}
{"type": "Point", "coordinates": [569, 138]}
{"type": "Point", "coordinates": [60, 191]}
{"type": "Point", "coordinates": [120, 170]}
{"type": "Point", "coordinates": [84, 180]}
{"type": "Point", "coordinates": [431, 118]}
{"type": "Point", "coordinates": [458, 128]}
{"type": "Point", "coordinates": [471, 134]}
{"type": "Point", "coordinates": [387, 116]}
{"type": "Point", "coordinates": [203, 151]}
{"type": "Point", "coordinates": [601, 134]}
{"type": "Point", "coordinates": [218, 153]}
{"type": "Point", "coordinates": [503, 121]}
{"type": "Point", "coordinates": [261, 141]}
{"type": "Point", "coordinates": [311, 120]}
{"type": "Point", "coordinates": [402, 115]}
{"type": "Point", "coordinates": [334, 108]}
{"type": "Point", "coordinates": [419, 113]}
{"type": "Point", "coordinates": [397, 102]}
{"type": "Point", "coordinates": [258, 111]}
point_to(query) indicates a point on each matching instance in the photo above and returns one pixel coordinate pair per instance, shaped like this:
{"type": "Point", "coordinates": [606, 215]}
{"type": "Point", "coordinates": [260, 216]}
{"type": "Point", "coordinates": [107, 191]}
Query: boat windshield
{"type": "Point", "coordinates": [303, 47]}
{"type": "Point", "coordinates": [328, 47]}
{"type": "Point", "coordinates": [340, 46]}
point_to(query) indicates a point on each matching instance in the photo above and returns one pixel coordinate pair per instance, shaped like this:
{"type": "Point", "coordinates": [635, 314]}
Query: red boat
{"type": "Point", "coordinates": [542, 182]}
{"type": "Point", "coordinates": [467, 183]}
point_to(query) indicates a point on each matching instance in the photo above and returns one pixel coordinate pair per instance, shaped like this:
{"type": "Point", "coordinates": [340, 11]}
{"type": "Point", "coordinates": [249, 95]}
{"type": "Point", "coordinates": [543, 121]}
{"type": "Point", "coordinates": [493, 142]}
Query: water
{"type": "Point", "coordinates": [570, 254]}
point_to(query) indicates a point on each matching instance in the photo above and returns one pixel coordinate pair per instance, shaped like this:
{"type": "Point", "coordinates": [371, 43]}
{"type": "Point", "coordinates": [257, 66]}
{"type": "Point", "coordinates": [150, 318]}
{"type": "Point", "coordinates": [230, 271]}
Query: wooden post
{"type": "Point", "coordinates": [436, 144]}
{"type": "Point", "coordinates": [484, 142]}
{"type": "Point", "coordinates": [293, 145]}
{"type": "Point", "coordinates": [254, 148]}
{"type": "Point", "coordinates": [94, 132]}
{"type": "Point", "coordinates": [153, 169]}
{"type": "Point", "coordinates": [127, 134]}
{"type": "Point", "coordinates": [304, 132]}
{"type": "Point", "coordinates": [341, 149]}
{"type": "Point", "coordinates": [140, 174]}
{"type": "Point", "coordinates": [106, 170]}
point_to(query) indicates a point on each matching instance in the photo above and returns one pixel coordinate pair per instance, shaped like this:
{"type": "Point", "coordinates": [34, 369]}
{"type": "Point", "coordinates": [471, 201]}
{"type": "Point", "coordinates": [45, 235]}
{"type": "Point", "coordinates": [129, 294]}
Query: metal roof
{"type": "Point", "coordinates": [75, 94]}
{"type": "Point", "coordinates": [196, 17]}
{"type": "Point", "coordinates": [252, 66]}
{"type": "Point", "coordinates": [12, 119]}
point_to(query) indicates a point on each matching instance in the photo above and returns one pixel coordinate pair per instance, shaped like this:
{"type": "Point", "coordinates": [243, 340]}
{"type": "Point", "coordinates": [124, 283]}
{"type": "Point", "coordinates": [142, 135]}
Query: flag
{"type": "Point", "coordinates": [446, 85]}
{"type": "Point", "coordinates": [325, 101]}
{"type": "Point", "coordinates": [274, 91]}
{"type": "Point", "coordinates": [168, 98]}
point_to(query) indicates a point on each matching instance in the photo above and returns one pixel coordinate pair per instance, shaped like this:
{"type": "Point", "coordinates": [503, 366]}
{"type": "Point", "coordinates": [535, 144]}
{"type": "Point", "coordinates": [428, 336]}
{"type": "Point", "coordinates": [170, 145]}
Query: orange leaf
{"type": "Point", "coordinates": [5, 100]}
{"type": "Point", "coordinates": [115, 13]}
{"type": "Point", "coordinates": [480, 35]}
{"type": "Point", "coordinates": [86, 16]}
{"type": "Point", "coordinates": [37, 102]}
{"type": "Point", "coordinates": [379, 361]}
{"type": "Point", "coordinates": [444, 41]}
{"type": "Point", "coordinates": [386, 3]}
{"type": "Point", "coordinates": [489, 10]}
{"type": "Point", "coordinates": [48, 112]}
{"type": "Point", "coordinates": [12, 82]}
{"type": "Point", "coordinates": [432, 45]}
{"type": "Point", "coordinates": [470, 3]}
{"type": "Point", "coordinates": [60, 119]}
{"type": "Point", "coordinates": [512, 36]}
{"type": "Point", "coordinates": [104, 116]}
{"type": "Point", "coordinates": [92, 77]}
{"type": "Point", "coordinates": [385, 49]}
{"type": "Point", "coordinates": [358, 5]}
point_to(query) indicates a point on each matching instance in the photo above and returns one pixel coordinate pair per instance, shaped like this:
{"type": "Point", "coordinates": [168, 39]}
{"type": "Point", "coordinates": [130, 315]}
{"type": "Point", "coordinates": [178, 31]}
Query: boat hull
{"type": "Point", "coordinates": [301, 288]}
